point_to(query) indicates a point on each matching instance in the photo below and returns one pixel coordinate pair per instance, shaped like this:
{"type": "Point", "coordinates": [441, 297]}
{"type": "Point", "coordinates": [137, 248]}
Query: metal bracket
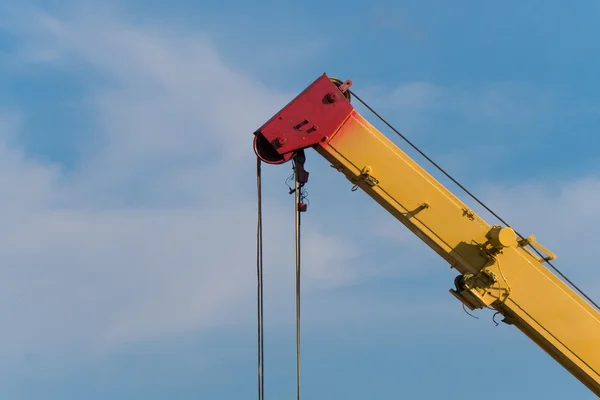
{"type": "Point", "coordinates": [473, 289]}
{"type": "Point", "coordinates": [365, 176]}
{"type": "Point", "coordinates": [530, 240]}
{"type": "Point", "coordinates": [468, 213]}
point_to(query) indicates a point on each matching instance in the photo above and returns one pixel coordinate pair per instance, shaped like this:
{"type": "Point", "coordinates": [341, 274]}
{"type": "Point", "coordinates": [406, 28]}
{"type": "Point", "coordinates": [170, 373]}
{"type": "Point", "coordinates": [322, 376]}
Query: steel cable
{"type": "Point", "coordinates": [297, 229]}
{"type": "Point", "coordinates": [481, 203]}
{"type": "Point", "coordinates": [259, 289]}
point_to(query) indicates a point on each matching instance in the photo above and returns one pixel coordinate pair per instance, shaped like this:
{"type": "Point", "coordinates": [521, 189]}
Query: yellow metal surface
{"type": "Point", "coordinates": [501, 237]}
{"type": "Point", "coordinates": [497, 271]}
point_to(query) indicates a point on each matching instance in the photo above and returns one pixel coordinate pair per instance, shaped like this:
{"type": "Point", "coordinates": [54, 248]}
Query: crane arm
{"type": "Point", "coordinates": [496, 268]}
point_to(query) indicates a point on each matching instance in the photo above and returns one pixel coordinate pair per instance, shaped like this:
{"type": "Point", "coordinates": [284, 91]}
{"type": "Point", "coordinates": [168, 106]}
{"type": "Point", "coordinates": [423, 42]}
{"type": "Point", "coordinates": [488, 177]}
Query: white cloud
{"type": "Point", "coordinates": [23, 182]}
{"type": "Point", "coordinates": [564, 217]}
{"type": "Point", "coordinates": [500, 102]}
{"type": "Point", "coordinates": [504, 110]}
{"type": "Point", "coordinates": [153, 234]}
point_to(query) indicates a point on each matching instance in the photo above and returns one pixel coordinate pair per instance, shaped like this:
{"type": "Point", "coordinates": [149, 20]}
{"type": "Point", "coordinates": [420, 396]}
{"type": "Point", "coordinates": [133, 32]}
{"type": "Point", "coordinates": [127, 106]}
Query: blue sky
{"type": "Point", "coordinates": [127, 178]}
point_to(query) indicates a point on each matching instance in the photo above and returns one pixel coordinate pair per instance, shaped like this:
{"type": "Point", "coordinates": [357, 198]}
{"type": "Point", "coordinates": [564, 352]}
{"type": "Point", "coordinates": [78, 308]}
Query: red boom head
{"type": "Point", "coordinates": [309, 119]}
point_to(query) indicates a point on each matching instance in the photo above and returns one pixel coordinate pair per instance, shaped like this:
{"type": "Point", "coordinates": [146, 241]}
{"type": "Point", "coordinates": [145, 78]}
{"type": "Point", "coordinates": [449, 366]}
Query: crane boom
{"type": "Point", "coordinates": [496, 267]}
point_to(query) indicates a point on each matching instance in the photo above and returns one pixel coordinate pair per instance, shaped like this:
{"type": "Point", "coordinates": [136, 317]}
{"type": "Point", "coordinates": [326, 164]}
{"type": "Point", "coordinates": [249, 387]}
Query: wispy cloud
{"type": "Point", "coordinates": [501, 104]}
{"type": "Point", "coordinates": [153, 233]}
{"type": "Point", "coordinates": [563, 215]}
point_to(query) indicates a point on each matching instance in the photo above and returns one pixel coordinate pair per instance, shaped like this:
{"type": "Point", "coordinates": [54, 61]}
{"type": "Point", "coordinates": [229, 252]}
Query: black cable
{"type": "Point", "coordinates": [473, 197]}
{"type": "Point", "coordinates": [428, 159]}
{"type": "Point", "coordinates": [259, 276]}
{"type": "Point", "coordinates": [297, 226]}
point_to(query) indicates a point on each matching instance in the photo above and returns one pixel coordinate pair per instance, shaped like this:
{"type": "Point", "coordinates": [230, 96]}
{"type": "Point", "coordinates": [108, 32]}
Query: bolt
{"type": "Point", "coordinates": [332, 97]}
{"type": "Point", "coordinates": [280, 141]}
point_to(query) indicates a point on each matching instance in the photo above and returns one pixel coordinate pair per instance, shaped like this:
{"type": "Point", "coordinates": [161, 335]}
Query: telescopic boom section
{"type": "Point", "coordinates": [496, 268]}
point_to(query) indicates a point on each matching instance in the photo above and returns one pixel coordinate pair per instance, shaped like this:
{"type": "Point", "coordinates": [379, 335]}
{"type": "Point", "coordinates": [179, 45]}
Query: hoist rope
{"type": "Point", "coordinates": [297, 214]}
{"type": "Point", "coordinates": [259, 289]}
{"type": "Point", "coordinates": [481, 203]}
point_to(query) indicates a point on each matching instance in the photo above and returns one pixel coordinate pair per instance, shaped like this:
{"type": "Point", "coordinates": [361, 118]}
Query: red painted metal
{"type": "Point", "coordinates": [309, 119]}
{"type": "Point", "coordinates": [345, 86]}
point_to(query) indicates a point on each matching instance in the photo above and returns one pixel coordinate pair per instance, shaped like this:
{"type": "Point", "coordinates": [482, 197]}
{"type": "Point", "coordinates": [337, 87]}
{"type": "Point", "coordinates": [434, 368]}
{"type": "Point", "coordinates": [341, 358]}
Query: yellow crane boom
{"type": "Point", "coordinates": [497, 267]}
